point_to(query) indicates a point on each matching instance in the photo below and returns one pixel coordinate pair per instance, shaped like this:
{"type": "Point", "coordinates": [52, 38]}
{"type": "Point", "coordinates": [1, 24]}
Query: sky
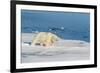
{"type": "Point", "coordinates": [67, 25]}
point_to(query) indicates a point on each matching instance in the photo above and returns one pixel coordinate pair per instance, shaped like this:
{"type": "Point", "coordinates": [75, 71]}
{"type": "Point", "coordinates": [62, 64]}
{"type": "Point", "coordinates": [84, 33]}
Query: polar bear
{"type": "Point", "coordinates": [45, 39]}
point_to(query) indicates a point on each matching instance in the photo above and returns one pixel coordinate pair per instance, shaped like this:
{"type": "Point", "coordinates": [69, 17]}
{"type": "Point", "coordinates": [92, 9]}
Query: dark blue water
{"type": "Point", "coordinates": [67, 25]}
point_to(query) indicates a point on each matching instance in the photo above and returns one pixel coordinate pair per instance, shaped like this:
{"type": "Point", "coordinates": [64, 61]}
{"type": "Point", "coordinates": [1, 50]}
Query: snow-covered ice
{"type": "Point", "coordinates": [62, 50]}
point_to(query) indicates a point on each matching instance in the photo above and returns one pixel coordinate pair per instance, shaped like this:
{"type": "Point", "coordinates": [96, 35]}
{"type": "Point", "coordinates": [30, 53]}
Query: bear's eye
{"type": "Point", "coordinates": [37, 43]}
{"type": "Point", "coordinates": [44, 45]}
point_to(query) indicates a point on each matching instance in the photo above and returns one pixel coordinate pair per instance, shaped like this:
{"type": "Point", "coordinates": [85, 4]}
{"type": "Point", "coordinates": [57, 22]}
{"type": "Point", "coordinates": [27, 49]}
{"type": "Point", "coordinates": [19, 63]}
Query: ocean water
{"type": "Point", "coordinates": [67, 25]}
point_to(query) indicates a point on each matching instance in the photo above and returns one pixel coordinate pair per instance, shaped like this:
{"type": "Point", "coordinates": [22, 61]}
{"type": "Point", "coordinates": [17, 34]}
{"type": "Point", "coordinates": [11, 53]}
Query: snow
{"type": "Point", "coordinates": [62, 50]}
